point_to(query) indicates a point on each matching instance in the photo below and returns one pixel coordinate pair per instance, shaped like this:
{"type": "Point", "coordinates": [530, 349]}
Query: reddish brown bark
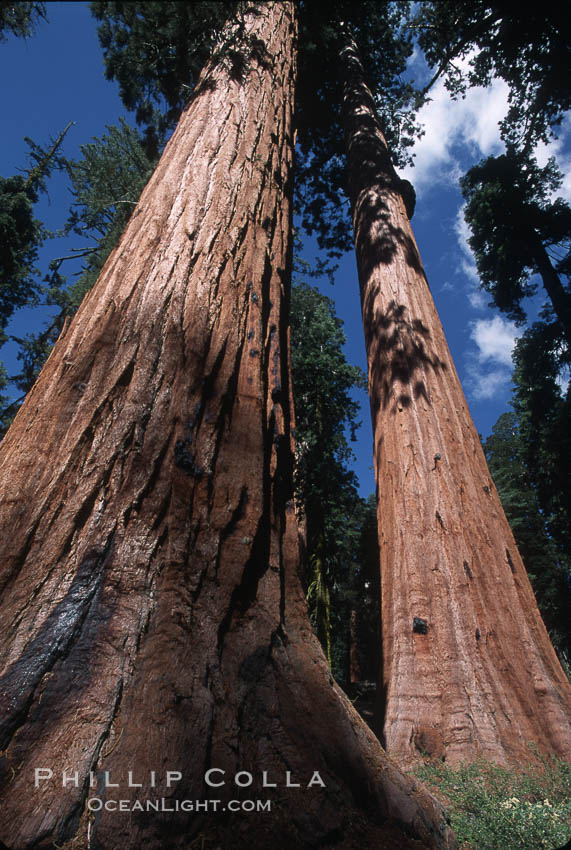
{"type": "Point", "coordinates": [468, 667]}
{"type": "Point", "coordinates": [151, 615]}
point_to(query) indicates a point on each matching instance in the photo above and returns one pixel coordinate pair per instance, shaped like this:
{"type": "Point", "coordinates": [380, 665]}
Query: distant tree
{"type": "Point", "coordinates": [519, 232]}
{"type": "Point", "coordinates": [21, 235]}
{"type": "Point", "coordinates": [548, 565]}
{"type": "Point", "coordinates": [19, 18]}
{"type": "Point", "coordinates": [5, 417]}
{"type": "Point", "coordinates": [542, 403]}
{"type": "Point", "coordinates": [326, 488]}
{"type": "Point", "coordinates": [106, 183]}
{"type": "Point", "coordinates": [365, 595]}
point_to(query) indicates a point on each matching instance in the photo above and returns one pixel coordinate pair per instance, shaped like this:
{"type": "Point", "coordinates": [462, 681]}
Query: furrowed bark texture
{"type": "Point", "coordinates": [151, 614]}
{"type": "Point", "coordinates": [468, 667]}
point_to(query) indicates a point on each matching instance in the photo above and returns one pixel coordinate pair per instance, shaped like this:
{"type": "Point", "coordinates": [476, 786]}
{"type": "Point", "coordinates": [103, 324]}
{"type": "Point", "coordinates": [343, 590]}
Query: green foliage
{"type": "Point", "coordinates": [322, 384]}
{"type": "Point", "coordinates": [5, 413]}
{"type": "Point", "coordinates": [365, 595]}
{"type": "Point", "coordinates": [21, 234]}
{"type": "Point", "coordinates": [513, 222]}
{"type": "Point", "coordinates": [542, 402]}
{"type": "Point", "coordinates": [547, 562]}
{"type": "Point", "coordinates": [106, 184]}
{"type": "Point", "coordinates": [19, 18]}
{"type": "Point", "coordinates": [156, 51]}
{"type": "Point", "coordinates": [323, 381]}
{"type": "Point", "coordinates": [493, 808]}
{"type": "Point", "coordinates": [325, 487]}
{"type": "Point", "coordinates": [20, 237]}
{"type": "Point", "coordinates": [319, 601]}
{"type": "Point", "coordinates": [527, 46]}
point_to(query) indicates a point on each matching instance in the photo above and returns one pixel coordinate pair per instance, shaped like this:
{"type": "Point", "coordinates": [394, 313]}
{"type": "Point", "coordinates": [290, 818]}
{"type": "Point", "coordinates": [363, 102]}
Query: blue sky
{"type": "Point", "coordinates": [57, 76]}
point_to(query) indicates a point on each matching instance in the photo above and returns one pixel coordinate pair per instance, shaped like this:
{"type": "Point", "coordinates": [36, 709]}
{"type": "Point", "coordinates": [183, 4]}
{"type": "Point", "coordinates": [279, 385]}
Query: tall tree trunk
{"type": "Point", "coordinates": [468, 667]}
{"type": "Point", "coordinates": [152, 617]}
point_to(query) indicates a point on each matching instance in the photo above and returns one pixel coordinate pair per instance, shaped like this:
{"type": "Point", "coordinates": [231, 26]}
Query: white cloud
{"type": "Point", "coordinates": [471, 122]}
{"type": "Point", "coordinates": [468, 127]}
{"type": "Point", "coordinates": [495, 339]}
{"type": "Point", "coordinates": [447, 287]}
{"type": "Point", "coordinates": [563, 379]}
{"type": "Point", "coordinates": [489, 364]}
{"type": "Point", "coordinates": [477, 298]}
{"type": "Point", "coordinates": [483, 386]}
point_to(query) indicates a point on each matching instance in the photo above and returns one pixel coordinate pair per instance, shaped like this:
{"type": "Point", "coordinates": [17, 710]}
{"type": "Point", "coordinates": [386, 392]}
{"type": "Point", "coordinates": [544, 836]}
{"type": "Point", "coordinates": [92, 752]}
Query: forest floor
{"type": "Point", "coordinates": [491, 807]}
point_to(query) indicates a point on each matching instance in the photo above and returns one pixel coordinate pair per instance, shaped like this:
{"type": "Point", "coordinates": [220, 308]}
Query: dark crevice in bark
{"type": "Point", "coordinates": [55, 515]}
{"type": "Point", "coordinates": [54, 640]}
{"type": "Point", "coordinates": [224, 417]}
{"type": "Point", "coordinates": [70, 823]}
{"type": "Point", "coordinates": [128, 440]}
{"type": "Point", "coordinates": [209, 736]}
{"type": "Point", "coordinates": [161, 322]}
{"type": "Point", "coordinates": [205, 390]}
{"type": "Point", "coordinates": [162, 511]}
{"type": "Point", "coordinates": [245, 590]}
{"type": "Point", "coordinates": [20, 558]}
{"type": "Point", "coordinates": [228, 529]}
{"type": "Point", "coordinates": [144, 625]}
{"type": "Point", "coordinates": [152, 480]}
{"type": "Point", "coordinates": [79, 521]}
{"type": "Point", "coordinates": [126, 375]}
{"type": "Point", "coordinates": [86, 509]}
{"type": "Point", "coordinates": [239, 241]}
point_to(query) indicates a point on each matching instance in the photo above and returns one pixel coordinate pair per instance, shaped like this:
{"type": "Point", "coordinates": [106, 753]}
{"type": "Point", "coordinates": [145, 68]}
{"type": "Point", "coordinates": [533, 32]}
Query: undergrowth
{"type": "Point", "coordinates": [493, 808]}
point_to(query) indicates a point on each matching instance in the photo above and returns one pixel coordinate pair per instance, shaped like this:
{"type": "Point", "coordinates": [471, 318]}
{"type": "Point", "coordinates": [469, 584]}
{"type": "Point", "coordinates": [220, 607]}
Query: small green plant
{"type": "Point", "coordinates": [493, 808]}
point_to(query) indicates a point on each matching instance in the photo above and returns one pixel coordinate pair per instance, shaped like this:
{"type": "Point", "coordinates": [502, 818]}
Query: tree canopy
{"type": "Point", "coordinates": [518, 231]}
{"type": "Point", "coordinates": [20, 18]}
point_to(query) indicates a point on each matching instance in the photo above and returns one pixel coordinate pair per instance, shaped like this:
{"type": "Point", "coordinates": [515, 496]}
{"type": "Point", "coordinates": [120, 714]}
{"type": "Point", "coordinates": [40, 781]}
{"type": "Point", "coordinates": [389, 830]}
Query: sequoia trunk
{"type": "Point", "coordinates": [468, 668]}
{"type": "Point", "coordinates": [152, 617]}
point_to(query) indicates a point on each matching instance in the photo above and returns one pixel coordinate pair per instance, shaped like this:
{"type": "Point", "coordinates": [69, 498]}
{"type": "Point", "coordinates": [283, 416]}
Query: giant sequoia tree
{"type": "Point", "coordinates": [468, 667]}
{"type": "Point", "coordinates": [152, 615]}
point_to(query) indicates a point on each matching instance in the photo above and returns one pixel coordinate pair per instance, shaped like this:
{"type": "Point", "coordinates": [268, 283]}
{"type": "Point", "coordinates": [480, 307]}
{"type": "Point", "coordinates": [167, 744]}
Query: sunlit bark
{"type": "Point", "coordinates": [468, 667]}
